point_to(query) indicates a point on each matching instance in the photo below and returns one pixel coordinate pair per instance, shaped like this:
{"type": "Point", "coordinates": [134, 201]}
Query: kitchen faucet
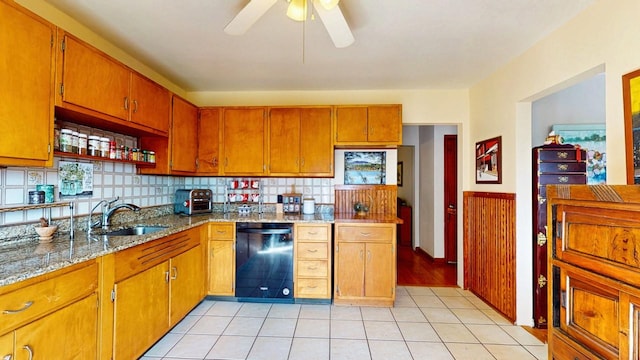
{"type": "Point", "coordinates": [107, 212]}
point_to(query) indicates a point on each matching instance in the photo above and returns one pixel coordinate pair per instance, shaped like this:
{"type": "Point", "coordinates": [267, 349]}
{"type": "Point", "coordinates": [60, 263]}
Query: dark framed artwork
{"type": "Point", "coordinates": [400, 174]}
{"type": "Point", "coordinates": [631, 103]}
{"type": "Point", "coordinates": [489, 161]}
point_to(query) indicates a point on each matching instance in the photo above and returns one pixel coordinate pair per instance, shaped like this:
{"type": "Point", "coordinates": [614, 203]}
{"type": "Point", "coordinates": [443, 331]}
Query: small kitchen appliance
{"type": "Point", "coordinates": [196, 201]}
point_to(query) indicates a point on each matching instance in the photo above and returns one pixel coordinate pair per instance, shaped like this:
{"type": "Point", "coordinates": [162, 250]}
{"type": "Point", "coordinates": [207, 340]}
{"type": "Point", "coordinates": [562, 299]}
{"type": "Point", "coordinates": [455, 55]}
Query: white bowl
{"type": "Point", "coordinates": [46, 233]}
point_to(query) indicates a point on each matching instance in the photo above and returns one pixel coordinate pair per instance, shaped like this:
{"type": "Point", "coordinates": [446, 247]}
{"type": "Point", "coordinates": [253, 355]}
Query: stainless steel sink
{"type": "Point", "coordinates": [135, 230]}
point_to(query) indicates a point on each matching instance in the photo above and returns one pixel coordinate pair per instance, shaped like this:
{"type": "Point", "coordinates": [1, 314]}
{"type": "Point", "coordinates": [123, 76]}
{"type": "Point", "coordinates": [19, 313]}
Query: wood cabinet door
{"type": "Point", "coordinates": [244, 141]}
{"type": "Point", "coordinates": [69, 333]}
{"type": "Point", "coordinates": [379, 273]}
{"type": "Point", "coordinates": [316, 142]}
{"type": "Point", "coordinates": [284, 141]}
{"type": "Point", "coordinates": [209, 141]}
{"type": "Point", "coordinates": [222, 264]}
{"type": "Point", "coordinates": [351, 124]}
{"type": "Point", "coordinates": [187, 282]}
{"type": "Point", "coordinates": [6, 346]}
{"type": "Point", "coordinates": [26, 104]}
{"type": "Point", "coordinates": [184, 136]}
{"type": "Point", "coordinates": [94, 81]}
{"type": "Point", "coordinates": [384, 124]}
{"type": "Point", "coordinates": [150, 104]}
{"type": "Point", "coordinates": [141, 311]}
{"type": "Point", "coordinates": [349, 275]}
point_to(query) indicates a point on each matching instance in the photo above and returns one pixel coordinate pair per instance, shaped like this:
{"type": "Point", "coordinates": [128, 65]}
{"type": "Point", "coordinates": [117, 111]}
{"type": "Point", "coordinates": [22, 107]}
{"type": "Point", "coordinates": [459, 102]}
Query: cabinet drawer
{"type": "Point", "coordinates": [224, 231]}
{"type": "Point", "coordinates": [312, 268]}
{"type": "Point", "coordinates": [24, 305]}
{"type": "Point", "coordinates": [562, 167]}
{"type": "Point", "coordinates": [569, 154]}
{"type": "Point", "coordinates": [563, 351]}
{"type": "Point", "coordinates": [312, 232]}
{"type": "Point", "coordinates": [364, 233]}
{"type": "Point", "coordinates": [312, 288]}
{"type": "Point", "coordinates": [563, 179]}
{"type": "Point", "coordinates": [312, 250]}
{"type": "Point", "coordinates": [602, 241]}
{"type": "Point", "coordinates": [144, 256]}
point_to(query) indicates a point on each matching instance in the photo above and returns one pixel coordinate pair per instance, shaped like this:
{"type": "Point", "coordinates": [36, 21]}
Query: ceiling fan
{"type": "Point", "coordinates": [328, 11]}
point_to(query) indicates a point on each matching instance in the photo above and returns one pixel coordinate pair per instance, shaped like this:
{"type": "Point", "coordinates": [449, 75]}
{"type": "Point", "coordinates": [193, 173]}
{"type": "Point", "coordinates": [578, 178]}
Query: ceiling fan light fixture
{"type": "Point", "coordinates": [297, 10]}
{"type": "Point", "coordinates": [328, 4]}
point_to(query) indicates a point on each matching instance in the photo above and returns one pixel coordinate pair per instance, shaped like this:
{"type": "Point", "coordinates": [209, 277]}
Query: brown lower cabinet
{"type": "Point", "coordinates": [365, 264]}
{"type": "Point", "coordinates": [53, 316]}
{"type": "Point", "coordinates": [156, 285]}
{"type": "Point", "coordinates": [222, 258]}
{"type": "Point", "coordinates": [594, 289]}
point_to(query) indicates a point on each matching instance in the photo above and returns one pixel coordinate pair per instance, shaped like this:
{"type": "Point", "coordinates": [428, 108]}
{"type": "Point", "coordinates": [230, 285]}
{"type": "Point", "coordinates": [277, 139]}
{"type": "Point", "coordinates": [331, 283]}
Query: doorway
{"type": "Point", "coordinates": [451, 199]}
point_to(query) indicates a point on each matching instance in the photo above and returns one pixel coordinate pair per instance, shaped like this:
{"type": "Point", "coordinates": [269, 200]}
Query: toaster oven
{"type": "Point", "coordinates": [196, 201]}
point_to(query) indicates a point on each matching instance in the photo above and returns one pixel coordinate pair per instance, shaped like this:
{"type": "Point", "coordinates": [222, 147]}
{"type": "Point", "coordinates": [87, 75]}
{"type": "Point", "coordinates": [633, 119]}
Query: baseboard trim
{"type": "Point", "coordinates": [429, 257]}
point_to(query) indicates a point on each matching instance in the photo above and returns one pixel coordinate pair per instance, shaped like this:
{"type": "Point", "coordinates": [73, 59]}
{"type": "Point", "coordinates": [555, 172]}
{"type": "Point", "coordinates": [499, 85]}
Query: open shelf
{"type": "Point", "coordinates": [67, 155]}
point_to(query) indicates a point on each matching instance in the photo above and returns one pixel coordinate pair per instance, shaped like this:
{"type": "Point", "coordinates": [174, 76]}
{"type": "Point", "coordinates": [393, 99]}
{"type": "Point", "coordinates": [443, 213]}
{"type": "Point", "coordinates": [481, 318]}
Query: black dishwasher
{"type": "Point", "coordinates": [264, 262]}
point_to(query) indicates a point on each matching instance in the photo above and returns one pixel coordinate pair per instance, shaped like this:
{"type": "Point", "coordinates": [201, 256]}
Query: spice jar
{"type": "Point", "coordinates": [112, 149]}
{"type": "Point", "coordinates": [152, 156]}
{"type": "Point", "coordinates": [74, 142]}
{"type": "Point", "coordinates": [93, 147]}
{"type": "Point", "coordinates": [104, 147]}
{"type": "Point", "coordinates": [65, 140]}
{"type": "Point", "coordinates": [82, 144]}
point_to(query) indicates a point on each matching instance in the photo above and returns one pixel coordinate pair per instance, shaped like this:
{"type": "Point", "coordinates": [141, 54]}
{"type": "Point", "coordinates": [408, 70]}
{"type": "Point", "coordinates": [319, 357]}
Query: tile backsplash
{"type": "Point", "coordinates": [111, 179]}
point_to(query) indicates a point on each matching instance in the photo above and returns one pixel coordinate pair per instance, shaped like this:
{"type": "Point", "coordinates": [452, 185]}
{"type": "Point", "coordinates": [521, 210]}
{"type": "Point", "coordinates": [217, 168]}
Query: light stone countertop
{"type": "Point", "coordinates": [25, 259]}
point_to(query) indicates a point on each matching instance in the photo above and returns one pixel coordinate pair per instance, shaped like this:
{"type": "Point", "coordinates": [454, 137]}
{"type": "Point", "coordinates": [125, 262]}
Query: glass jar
{"type": "Point", "coordinates": [66, 136]}
{"type": "Point", "coordinates": [93, 146]}
{"type": "Point", "coordinates": [56, 137]}
{"type": "Point", "coordinates": [82, 144]}
{"type": "Point", "coordinates": [152, 156]}
{"type": "Point", "coordinates": [74, 142]}
{"type": "Point", "coordinates": [104, 147]}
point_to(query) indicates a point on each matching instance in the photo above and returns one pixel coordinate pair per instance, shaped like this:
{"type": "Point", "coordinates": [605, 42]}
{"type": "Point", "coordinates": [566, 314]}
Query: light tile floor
{"type": "Point", "coordinates": [425, 323]}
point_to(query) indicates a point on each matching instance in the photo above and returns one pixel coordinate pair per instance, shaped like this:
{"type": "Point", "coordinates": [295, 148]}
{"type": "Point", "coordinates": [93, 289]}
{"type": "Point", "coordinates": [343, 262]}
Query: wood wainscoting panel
{"type": "Point", "coordinates": [490, 249]}
{"type": "Point", "coordinates": [381, 199]}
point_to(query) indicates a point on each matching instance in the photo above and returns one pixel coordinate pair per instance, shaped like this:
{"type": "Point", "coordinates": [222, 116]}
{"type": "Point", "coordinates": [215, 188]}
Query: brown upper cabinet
{"type": "Point", "coordinates": [93, 87]}
{"type": "Point", "coordinates": [300, 141]}
{"type": "Point", "coordinates": [184, 136]}
{"type": "Point", "coordinates": [244, 145]}
{"type": "Point", "coordinates": [379, 125]}
{"type": "Point", "coordinates": [209, 141]}
{"type": "Point", "coordinates": [27, 87]}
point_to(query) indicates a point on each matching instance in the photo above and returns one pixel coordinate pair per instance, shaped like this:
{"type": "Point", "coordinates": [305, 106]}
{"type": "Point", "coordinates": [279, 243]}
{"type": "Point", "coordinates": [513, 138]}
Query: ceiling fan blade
{"type": "Point", "coordinates": [335, 24]}
{"type": "Point", "coordinates": [248, 16]}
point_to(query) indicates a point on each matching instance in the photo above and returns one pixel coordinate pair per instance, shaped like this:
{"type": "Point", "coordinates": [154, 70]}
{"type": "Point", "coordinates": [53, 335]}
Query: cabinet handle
{"type": "Point", "coordinates": [226, 161]}
{"type": "Point", "coordinates": [365, 233]}
{"type": "Point", "coordinates": [302, 162]}
{"type": "Point", "coordinates": [215, 161]}
{"type": "Point", "coordinates": [369, 255]}
{"type": "Point", "coordinates": [135, 106]}
{"type": "Point", "coordinates": [221, 231]}
{"type": "Point", "coordinates": [312, 232]}
{"type": "Point", "coordinates": [361, 254]}
{"type": "Point", "coordinates": [26, 347]}
{"type": "Point", "coordinates": [126, 103]}
{"type": "Point", "coordinates": [312, 287]}
{"type": "Point", "coordinates": [175, 273]}
{"type": "Point", "coordinates": [312, 250]}
{"type": "Point", "coordinates": [364, 130]}
{"type": "Point", "coordinates": [312, 268]}
{"type": "Point", "coordinates": [7, 357]}
{"type": "Point", "coordinates": [371, 131]}
{"type": "Point", "coordinates": [25, 307]}
{"type": "Point", "coordinates": [166, 276]}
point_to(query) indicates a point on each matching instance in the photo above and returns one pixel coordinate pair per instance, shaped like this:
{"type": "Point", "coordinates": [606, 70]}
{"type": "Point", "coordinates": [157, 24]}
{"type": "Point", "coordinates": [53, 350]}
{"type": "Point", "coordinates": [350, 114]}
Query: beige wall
{"type": "Point", "coordinates": [602, 38]}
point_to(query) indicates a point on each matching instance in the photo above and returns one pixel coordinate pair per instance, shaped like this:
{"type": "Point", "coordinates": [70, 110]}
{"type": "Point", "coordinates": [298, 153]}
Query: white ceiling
{"type": "Point", "coordinates": [400, 44]}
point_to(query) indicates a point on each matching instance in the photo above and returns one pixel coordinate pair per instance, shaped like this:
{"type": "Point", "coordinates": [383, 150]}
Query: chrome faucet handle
{"type": "Point", "coordinates": [109, 203]}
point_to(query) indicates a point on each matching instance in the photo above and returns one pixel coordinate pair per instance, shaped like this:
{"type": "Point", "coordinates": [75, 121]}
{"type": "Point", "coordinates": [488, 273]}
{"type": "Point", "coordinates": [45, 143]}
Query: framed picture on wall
{"type": "Point", "coordinates": [400, 173]}
{"type": "Point", "coordinates": [489, 161]}
{"type": "Point", "coordinates": [631, 104]}
{"type": "Point", "coordinates": [364, 167]}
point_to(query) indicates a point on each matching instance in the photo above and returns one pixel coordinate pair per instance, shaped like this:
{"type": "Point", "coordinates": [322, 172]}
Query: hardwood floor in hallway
{"type": "Point", "coordinates": [417, 269]}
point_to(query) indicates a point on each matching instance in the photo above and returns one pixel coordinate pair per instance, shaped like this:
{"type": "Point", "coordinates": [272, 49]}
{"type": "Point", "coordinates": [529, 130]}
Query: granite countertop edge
{"type": "Point", "coordinates": [26, 259]}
